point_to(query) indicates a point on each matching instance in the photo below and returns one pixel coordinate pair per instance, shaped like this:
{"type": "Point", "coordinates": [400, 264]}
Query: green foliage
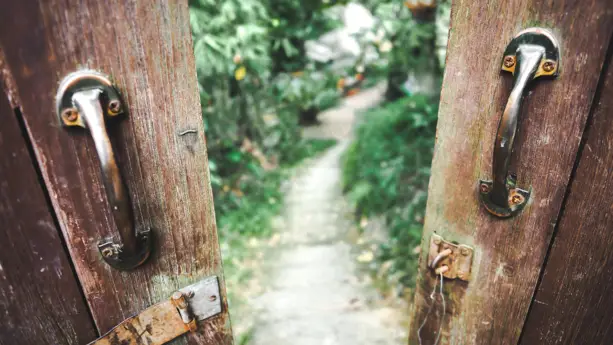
{"type": "Point", "coordinates": [386, 172]}
{"type": "Point", "coordinates": [292, 23]}
{"type": "Point", "coordinates": [251, 128]}
{"type": "Point", "coordinates": [249, 206]}
{"type": "Point", "coordinates": [307, 90]}
{"type": "Point", "coordinates": [225, 29]}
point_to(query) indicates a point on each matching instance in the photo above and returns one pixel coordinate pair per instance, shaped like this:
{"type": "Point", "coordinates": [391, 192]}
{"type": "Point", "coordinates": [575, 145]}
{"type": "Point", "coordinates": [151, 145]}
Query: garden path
{"type": "Point", "coordinates": [314, 295]}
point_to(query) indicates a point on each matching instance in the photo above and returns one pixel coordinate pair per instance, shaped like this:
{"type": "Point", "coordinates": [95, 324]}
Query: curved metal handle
{"type": "Point", "coordinates": [84, 99]}
{"type": "Point", "coordinates": [532, 53]}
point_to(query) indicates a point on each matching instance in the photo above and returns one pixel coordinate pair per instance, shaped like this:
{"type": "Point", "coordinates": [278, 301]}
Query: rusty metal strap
{"type": "Point", "coordinates": [155, 325]}
{"type": "Point", "coordinates": [169, 319]}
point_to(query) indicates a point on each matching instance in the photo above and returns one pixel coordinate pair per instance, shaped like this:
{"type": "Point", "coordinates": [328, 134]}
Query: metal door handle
{"type": "Point", "coordinates": [531, 54]}
{"type": "Point", "coordinates": [84, 99]}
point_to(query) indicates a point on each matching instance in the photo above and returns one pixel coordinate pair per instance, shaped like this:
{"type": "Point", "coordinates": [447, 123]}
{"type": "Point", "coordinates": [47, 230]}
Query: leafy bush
{"type": "Point", "coordinates": [308, 92]}
{"type": "Point", "coordinates": [292, 23]}
{"type": "Point", "coordinates": [386, 172]}
{"type": "Point", "coordinates": [250, 133]}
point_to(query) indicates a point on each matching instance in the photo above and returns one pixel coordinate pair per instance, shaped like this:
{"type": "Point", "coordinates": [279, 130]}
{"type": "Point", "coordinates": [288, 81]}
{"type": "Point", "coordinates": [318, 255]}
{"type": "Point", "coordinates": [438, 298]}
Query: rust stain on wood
{"type": "Point", "coordinates": [491, 309]}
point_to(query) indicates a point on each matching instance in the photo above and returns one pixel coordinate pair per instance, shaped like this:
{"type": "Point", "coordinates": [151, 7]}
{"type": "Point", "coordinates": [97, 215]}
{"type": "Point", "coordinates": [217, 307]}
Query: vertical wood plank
{"type": "Point", "coordinates": [146, 47]}
{"type": "Point", "coordinates": [573, 303]}
{"type": "Point", "coordinates": [492, 307]}
{"type": "Point", "coordinates": [40, 300]}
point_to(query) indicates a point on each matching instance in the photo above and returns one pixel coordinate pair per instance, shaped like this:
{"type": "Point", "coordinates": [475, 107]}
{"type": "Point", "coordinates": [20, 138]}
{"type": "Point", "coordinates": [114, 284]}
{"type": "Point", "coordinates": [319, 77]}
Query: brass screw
{"type": "Point", "coordinates": [484, 188]}
{"type": "Point", "coordinates": [509, 61]}
{"type": "Point", "coordinates": [464, 251]}
{"type": "Point", "coordinates": [517, 199]}
{"type": "Point", "coordinates": [106, 252]}
{"type": "Point", "coordinates": [549, 66]}
{"type": "Point", "coordinates": [114, 106]}
{"type": "Point", "coordinates": [70, 114]}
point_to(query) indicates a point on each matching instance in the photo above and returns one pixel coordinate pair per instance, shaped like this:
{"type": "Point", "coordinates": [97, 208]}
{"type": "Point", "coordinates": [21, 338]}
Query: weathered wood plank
{"type": "Point", "coordinates": [40, 300]}
{"type": "Point", "coordinates": [146, 47]}
{"type": "Point", "coordinates": [573, 303]}
{"type": "Point", "coordinates": [492, 307]}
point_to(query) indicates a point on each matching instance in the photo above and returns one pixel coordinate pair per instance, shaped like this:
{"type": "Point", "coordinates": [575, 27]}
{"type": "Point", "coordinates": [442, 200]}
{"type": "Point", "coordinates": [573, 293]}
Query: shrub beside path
{"type": "Point", "coordinates": [313, 294]}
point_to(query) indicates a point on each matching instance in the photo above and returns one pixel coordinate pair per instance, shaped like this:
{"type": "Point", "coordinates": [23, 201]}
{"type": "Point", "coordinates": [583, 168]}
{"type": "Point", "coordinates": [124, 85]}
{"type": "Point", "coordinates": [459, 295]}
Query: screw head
{"type": "Point", "coordinates": [484, 188]}
{"type": "Point", "coordinates": [114, 106]}
{"type": "Point", "coordinates": [549, 66]}
{"type": "Point", "coordinates": [437, 241]}
{"type": "Point", "coordinates": [517, 199]}
{"type": "Point", "coordinates": [70, 114]}
{"type": "Point", "coordinates": [509, 61]}
{"type": "Point", "coordinates": [464, 251]}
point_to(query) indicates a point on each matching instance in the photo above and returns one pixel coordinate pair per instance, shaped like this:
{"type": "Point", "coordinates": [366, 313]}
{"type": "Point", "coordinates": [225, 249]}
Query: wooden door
{"type": "Point", "coordinates": [541, 275]}
{"type": "Point", "coordinates": [146, 48]}
{"type": "Point", "coordinates": [40, 297]}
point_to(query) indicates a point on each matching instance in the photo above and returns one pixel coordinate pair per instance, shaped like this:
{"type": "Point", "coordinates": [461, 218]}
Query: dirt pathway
{"type": "Point", "coordinates": [313, 294]}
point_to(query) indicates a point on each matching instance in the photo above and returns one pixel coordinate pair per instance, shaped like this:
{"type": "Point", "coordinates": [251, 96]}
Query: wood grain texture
{"type": "Point", "coordinates": [574, 303]}
{"type": "Point", "coordinates": [40, 301]}
{"type": "Point", "coordinates": [509, 253]}
{"type": "Point", "coordinates": [146, 47]}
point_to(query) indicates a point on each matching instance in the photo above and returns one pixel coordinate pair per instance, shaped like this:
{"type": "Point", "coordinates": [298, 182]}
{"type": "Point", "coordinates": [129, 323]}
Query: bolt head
{"type": "Point", "coordinates": [484, 188]}
{"type": "Point", "coordinates": [114, 106]}
{"type": "Point", "coordinates": [70, 114]}
{"type": "Point", "coordinates": [107, 252]}
{"type": "Point", "coordinates": [509, 61]}
{"type": "Point", "coordinates": [549, 66]}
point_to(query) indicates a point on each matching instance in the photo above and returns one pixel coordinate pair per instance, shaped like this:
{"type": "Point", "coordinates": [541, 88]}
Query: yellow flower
{"type": "Point", "coordinates": [240, 73]}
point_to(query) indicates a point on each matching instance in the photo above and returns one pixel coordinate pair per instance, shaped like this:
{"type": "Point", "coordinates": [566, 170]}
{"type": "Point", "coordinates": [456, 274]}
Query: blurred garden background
{"type": "Point", "coordinates": [272, 71]}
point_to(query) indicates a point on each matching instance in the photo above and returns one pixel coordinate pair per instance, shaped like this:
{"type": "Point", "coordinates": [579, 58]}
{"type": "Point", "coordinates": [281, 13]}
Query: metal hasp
{"type": "Point", "coordinates": [531, 54]}
{"type": "Point", "coordinates": [452, 260]}
{"type": "Point", "coordinates": [84, 99]}
{"type": "Point", "coordinates": [167, 320]}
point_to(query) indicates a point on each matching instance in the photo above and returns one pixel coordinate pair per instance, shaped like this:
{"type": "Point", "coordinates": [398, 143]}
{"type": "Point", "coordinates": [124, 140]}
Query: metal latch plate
{"type": "Point", "coordinates": [165, 321]}
{"type": "Point", "coordinates": [459, 260]}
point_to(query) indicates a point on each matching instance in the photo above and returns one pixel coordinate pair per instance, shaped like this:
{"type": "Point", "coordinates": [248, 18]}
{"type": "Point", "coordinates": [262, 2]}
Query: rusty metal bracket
{"type": "Point", "coordinates": [453, 260]}
{"type": "Point", "coordinates": [167, 320]}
